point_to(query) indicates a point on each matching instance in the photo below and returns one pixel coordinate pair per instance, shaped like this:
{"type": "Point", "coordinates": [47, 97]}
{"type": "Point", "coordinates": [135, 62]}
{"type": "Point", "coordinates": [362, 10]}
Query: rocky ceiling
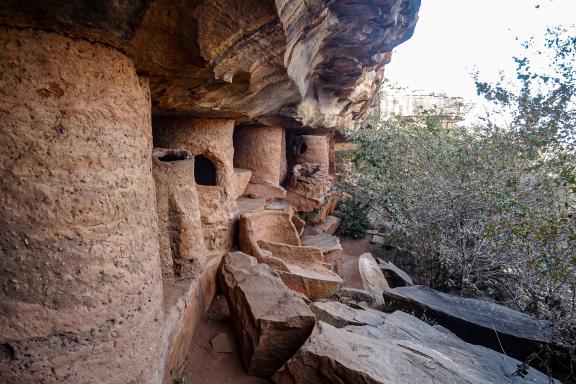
{"type": "Point", "coordinates": [298, 63]}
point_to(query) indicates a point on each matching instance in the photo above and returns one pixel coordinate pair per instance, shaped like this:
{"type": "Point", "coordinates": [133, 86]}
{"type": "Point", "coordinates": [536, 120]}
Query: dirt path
{"type": "Point", "coordinates": [205, 365]}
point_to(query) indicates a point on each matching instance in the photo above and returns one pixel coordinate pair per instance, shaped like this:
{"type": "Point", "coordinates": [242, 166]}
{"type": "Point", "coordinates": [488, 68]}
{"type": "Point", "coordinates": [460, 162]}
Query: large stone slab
{"type": "Point", "coordinates": [329, 226]}
{"type": "Point", "coordinates": [271, 237]}
{"type": "Point", "coordinates": [271, 321]}
{"type": "Point", "coordinates": [340, 315]}
{"type": "Point", "coordinates": [475, 321]}
{"type": "Point", "coordinates": [402, 350]}
{"type": "Point", "coordinates": [331, 249]}
{"type": "Point", "coordinates": [394, 275]}
{"type": "Point", "coordinates": [363, 273]}
{"type": "Point", "coordinates": [303, 269]}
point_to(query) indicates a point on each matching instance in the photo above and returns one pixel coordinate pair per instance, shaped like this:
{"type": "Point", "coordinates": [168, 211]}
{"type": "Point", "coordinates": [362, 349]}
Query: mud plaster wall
{"type": "Point", "coordinates": [80, 282]}
{"type": "Point", "coordinates": [312, 149]}
{"type": "Point", "coordinates": [181, 239]}
{"type": "Point", "coordinates": [260, 149]}
{"type": "Point", "coordinates": [213, 139]}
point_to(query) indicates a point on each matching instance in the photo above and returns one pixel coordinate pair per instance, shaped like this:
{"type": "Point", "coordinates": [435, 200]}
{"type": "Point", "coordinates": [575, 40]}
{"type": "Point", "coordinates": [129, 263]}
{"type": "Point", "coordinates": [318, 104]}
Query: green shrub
{"type": "Point", "coordinates": [354, 219]}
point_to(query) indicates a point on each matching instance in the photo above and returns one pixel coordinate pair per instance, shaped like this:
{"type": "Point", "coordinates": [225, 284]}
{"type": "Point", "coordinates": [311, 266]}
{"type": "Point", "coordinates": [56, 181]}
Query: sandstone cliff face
{"type": "Point", "coordinates": [289, 62]}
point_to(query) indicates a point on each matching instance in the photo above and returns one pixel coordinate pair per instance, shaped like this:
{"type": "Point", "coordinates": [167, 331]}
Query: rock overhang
{"type": "Point", "coordinates": [290, 63]}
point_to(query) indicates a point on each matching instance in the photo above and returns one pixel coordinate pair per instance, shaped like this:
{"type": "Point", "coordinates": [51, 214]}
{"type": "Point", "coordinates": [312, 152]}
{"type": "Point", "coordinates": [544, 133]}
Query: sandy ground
{"type": "Point", "coordinates": [205, 365]}
{"type": "Point", "coordinates": [354, 248]}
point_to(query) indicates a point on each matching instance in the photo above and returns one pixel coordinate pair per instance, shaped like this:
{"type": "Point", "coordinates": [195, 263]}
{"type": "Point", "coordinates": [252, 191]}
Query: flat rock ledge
{"type": "Point", "coordinates": [403, 349]}
{"type": "Point", "coordinates": [341, 315]}
{"type": "Point", "coordinates": [270, 320]}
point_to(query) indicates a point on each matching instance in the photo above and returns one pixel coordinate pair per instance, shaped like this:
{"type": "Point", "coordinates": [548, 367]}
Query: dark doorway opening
{"type": "Point", "coordinates": [204, 171]}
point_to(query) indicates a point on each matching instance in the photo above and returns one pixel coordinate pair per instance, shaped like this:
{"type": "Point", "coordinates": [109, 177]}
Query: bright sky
{"type": "Point", "coordinates": [453, 37]}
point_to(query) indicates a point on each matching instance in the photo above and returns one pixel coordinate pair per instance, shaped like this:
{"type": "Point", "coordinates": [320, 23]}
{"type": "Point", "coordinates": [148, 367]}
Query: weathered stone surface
{"type": "Point", "coordinates": [340, 315]}
{"type": "Point", "coordinates": [311, 149]}
{"type": "Point", "coordinates": [182, 250]}
{"type": "Point", "coordinates": [241, 180]}
{"type": "Point", "coordinates": [331, 200]}
{"type": "Point", "coordinates": [475, 321]}
{"type": "Point", "coordinates": [268, 191]}
{"type": "Point", "coordinates": [363, 273]}
{"type": "Point", "coordinates": [304, 269]}
{"type": "Point", "coordinates": [357, 295]}
{"type": "Point", "coordinates": [271, 237]}
{"type": "Point", "coordinates": [184, 303]}
{"type": "Point", "coordinates": [259, 148]}
{"type": "Point", "coordinates": [331, 249]}
{"type": "Point", "coordinates": [299, 223]}
{"type": "Point", "coordinates": [308, 187]}
{"type": "Point", "coordinates": [328, 226]}
{"type": "Point", "coordinates": [316, 62]}
{"type": "Point", "coordinates": [394, 275]}
{"type": "Point", "coordinates": [80, 280]}
{"type": "Point", "coordinates": [402, 350]}
{"type": "Point", "coordinates": [271, 321]}
{"type": "Point", "coordinates": [248, 205]}
{"type": "Point", "coordinates": [210, 139]}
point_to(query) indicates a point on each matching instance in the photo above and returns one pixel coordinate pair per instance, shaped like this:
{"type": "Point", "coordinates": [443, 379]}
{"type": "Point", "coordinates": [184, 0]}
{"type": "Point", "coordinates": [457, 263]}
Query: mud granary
{"type": "Point", "coordinates": [133, 135]}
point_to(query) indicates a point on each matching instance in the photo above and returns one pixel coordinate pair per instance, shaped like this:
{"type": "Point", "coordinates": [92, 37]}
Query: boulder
{"type": "Point", "coordinates": [271, 237]}
{"type": "Point", "coordinates": [331, 200]}
{"type": "Point", "coordinates": [248, 205]}
{"type": "Point", "coordinates": [363, 273]}
{"type": "Point", "coordinates": [303, 269]}
{"type": "Point", "coordinates": [268, 191]}
{"type": "Point", "coordinates": [329, 226]}
{"type": "Point", "coordinates": [394, 275]}
{"type": "Point", "coordinates": [340, 315]}
{"type": "Point", "coordinates": [357, 295]}
{"type": "Point", "coordinates": [403, 349]}
{"type": "Point", "coordinates": [270, 320]}
{"type": "Point", "coordinates": [475, 321]}
{"type": "Point", "coordinates": [331, 249]}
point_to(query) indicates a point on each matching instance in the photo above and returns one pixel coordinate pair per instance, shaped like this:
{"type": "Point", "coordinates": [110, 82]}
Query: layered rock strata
{"type": "Point", "coordinates": [80, 281]}
{"type": "Point", "coordinates": [270, 320]}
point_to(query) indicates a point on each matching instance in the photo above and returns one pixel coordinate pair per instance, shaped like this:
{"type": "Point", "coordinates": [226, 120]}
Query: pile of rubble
{"type": "Point", "coordinates": [286, 337]}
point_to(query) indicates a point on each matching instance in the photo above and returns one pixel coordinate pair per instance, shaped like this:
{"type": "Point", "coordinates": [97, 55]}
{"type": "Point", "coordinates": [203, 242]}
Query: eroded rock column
{"type": "Point", "coordinates": [80, 283]}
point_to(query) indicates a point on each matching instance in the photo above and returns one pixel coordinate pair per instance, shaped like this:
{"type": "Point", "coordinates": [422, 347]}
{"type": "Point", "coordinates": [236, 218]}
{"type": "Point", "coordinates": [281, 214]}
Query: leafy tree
{"type": "Point", "coordinates": [490, 210]}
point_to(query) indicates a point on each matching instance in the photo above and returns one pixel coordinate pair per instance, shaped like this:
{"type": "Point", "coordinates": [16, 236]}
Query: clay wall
{"type": "Point", "coordinates": [211, 138]}
{"type": "Point", "coordinates": [260, 149]}
{"type": "Point", "coordinates": [182, 250]}
{"type": "Point", "coordinates": [312, 149]}
{"type": "Point", "coordinates": [80, 282]}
